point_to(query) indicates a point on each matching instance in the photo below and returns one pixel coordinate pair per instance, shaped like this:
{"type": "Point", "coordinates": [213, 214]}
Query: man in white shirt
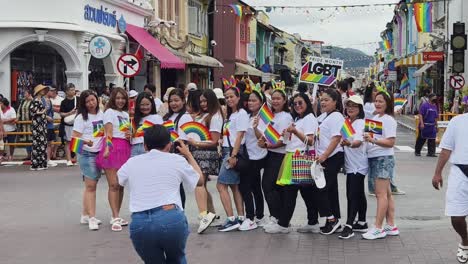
{"type": "Point", "coordinates": [454, 146]}
{"type": "Point", "coordinates": [56, 101]}
{"type": "Point", "coordinates": [159, 228]}
{"type": "Point", "coordinates": [8, 115]}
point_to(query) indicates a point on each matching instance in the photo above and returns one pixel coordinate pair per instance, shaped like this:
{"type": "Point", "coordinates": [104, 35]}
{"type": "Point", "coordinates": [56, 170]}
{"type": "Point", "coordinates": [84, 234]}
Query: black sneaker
{"type": "Point", "coordinates": [330, 227]}
{"type": "Point", "coordinates": [360, 228]}
{"type": "Point", "coordinates": [347, 232]}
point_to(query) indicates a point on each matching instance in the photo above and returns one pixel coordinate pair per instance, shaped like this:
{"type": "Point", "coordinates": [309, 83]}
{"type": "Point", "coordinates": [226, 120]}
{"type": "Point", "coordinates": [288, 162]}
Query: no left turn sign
{"type": "Point", "coordinates": [128, 65]}
{"type": "Point", "coordinates": [457, 82]}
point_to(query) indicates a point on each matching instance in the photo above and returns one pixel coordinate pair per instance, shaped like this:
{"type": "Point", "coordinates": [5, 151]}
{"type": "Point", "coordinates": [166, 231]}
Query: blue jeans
{"type": "Point", "coordinates": [159, 235]}
{"type": "Point", "coordinates": [371, 179]}
{"type": "Point", "coordinates": [137, 149]}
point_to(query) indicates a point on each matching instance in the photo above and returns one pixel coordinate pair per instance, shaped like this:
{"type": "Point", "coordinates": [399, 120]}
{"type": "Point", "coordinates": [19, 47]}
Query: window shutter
{"type": "Point", "coordinates": [193, 21]}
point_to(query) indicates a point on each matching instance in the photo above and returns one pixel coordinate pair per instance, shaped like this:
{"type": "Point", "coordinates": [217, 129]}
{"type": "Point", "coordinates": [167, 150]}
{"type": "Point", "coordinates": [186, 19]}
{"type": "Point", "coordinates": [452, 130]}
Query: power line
{"type": "Point", "coordinates": [336, 6]}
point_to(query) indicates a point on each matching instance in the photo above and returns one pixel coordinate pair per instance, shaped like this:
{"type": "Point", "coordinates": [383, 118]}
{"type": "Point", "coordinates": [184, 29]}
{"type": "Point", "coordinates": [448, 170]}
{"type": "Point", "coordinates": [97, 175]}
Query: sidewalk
{"type": "Point", "coordinates": [407, 121]}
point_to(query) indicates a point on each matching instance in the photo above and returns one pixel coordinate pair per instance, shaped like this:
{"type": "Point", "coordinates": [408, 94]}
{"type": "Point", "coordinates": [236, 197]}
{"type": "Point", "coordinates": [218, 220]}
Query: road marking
{"type": "Point", "coordinates": [404, 148]}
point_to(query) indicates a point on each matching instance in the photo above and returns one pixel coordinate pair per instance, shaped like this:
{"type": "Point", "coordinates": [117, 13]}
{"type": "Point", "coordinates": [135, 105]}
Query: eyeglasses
{"type": "Point", "coordinates": [298, 103]}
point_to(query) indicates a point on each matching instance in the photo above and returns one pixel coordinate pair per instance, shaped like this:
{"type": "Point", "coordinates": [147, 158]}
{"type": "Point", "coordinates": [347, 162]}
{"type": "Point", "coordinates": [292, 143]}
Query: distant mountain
{"type": "Point", "coordinates": [353, 58]}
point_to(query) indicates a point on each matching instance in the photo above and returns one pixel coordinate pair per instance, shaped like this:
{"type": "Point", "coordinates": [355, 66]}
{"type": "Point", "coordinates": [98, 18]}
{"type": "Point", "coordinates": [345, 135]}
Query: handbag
{"type": "Point", "coordinates": [302, 162]}
{"type": "Point", "coordinates": [69, 120]}
{"type": "Point", "coordinates": [242, 163]}
{"type": "Point", "coordinates": [318, 175]}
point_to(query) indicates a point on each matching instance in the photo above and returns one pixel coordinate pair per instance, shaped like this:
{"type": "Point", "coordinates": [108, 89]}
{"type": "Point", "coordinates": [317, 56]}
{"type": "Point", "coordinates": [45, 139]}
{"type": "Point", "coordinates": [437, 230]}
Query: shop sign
{"type": "Point", "coordinates": [122, 24]}
{"type": "Point", "coordinates": [392, 76]}
{"type": "Point", "coordinates": [100, 47]}
{"type": "Point", "coordinates": [100, 16]}
{"type": "Point", "coordinates": [433, 56]}
{"type": "Point", "coordinates": [319, 70]}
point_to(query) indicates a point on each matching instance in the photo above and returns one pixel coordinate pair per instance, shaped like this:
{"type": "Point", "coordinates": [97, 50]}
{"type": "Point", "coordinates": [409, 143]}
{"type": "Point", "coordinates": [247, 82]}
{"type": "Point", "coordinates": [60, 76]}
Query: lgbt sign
{"type": "Point", "coordinates": [323, 71]}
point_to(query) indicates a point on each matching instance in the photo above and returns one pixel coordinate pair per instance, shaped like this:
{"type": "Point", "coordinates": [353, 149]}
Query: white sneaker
{"type": "Point", "coordinates": [391, 230]}
{"type": "Point", "coordinates": [205, 222]}
{"type": "Point", "coordinates": [247, 225]}
{"type": "Point", "coordinates": [262, 221]}
{"type": "Point", "coordinates": [217, 221]}
{"type": "Point", "coordinates": [51, 164]}
{"type": "Point", "coordinates": [276, 229]}
{"type": "Point", "coordinates": [272, 221]}
{"type": "Point", "coordinates": [85, 220]}
{"type": "Point", "coordinates": [93, 224]}
{"type": "Point", "coordinates": [309, 229]}
{"type": "Point", "coordinates": [374, 233]}
{"type": "Point", "coordinates": [69, 163]}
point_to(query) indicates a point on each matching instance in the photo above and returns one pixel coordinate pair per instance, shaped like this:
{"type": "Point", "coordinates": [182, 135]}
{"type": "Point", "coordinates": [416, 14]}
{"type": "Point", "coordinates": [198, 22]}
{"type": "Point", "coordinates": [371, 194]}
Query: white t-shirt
{"type": "Point", "coordinates": [281, 121]}
{"type": "Point", "coordinates": [216, 122]}
{"type": "Point", "coordinates": [455, 139]}
{"type": "Point", "coordinates": [154, 179]}
{"type": "Point", "coordinates": [389, 127]}
{"type": "Point", "coordinates": [155, 119]}
{"type": "Point", "coordinates": [185, 118]}
{"type": "Point", "coordinates": [238, 122]}
{"type": "Point", "coordinates": [119, 120]}
{"type": "Point", "coordinates": [56, 103]}
{"type": "Point", "coordinates": [91, 129]}
{"type": "Point", "coordinates": [356, 158]}
{"type": "Point", "coordinates": [255, 152]}
{"type": "Point", "coordinates": [308, 126]}
{"type": "Point", "coordinates": [330, 126]}
{"type": "Point", "coordinates": [369, 110]}
{"type": "Point", "coordinates": [9, 114]}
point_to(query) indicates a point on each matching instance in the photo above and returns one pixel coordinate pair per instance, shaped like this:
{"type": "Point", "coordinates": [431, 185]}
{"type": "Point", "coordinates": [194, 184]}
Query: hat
{"type": "Point", "coordinates": [166, 95]}
{"type": "Point", "coordinates": [219, 93]}
{"type": "Point", "coordinates": [355, 99]}
{"type": "Point", "coordinates": [52, 88]}
{"type": "Point", "coordinates": [132, 93]}
{"type": "Point", "coordinates": [192, 87]}
{"type": "Point", "coordinates": [39, 88]}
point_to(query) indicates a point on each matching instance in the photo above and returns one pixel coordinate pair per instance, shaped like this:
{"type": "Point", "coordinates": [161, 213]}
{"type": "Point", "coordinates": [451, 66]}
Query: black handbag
{"type": "Point", "coordinates": [242, 157]}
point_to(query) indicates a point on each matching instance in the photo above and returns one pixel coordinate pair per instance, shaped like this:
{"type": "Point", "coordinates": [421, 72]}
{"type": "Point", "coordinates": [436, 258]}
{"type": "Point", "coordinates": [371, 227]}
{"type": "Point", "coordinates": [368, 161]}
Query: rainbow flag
{"type": "Point", "coordinates": [109, 142]}
{"type": "Point", "coordinates": [423, 16]}
{"type": "Point", "coordinates": [271, 134]}
{"type": "Point", "coordinates": [266, 114]}
{"type": "Point", "coordinates": [404, 83]}
{"type": "Point", "coordinates": [174, 136]}
{"type": "Point", "coordinates": [226, 129]}
{"type": "Point", "coordinates": [169, 124]}
{"type": "Point", "coordinates": [198, 129]}
{"type": "Point", "coordinates": [372, 126]}
{"type": "Point", "coordinates": [76, 145]}
{"type": "Point", "coordinates": [399, 101]}
{"type": "Point", "coordinates": [387, 45]}
{"type": "Point", "coordinates": [141, 130]}
{"type": "Point", "coordinates": [347, 130]}
{"type": "Point", "coordinates": [237, 9]}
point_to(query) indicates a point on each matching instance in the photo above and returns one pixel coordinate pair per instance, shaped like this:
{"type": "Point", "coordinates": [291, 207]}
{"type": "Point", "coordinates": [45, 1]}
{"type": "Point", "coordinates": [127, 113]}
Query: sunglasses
{"type": "Point", "coordinates": [299, 103]}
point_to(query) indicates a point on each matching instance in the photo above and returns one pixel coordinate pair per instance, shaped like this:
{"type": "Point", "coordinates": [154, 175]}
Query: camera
{"type": "Point", "coordinates": [213, 43]}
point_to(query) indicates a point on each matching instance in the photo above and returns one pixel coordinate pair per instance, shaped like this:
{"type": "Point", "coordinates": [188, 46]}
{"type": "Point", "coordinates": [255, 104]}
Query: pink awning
{"type": "Point", "coordinates": [167, 59]}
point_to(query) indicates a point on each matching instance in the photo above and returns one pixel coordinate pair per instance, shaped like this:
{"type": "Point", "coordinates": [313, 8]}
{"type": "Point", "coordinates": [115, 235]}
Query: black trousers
{"type": "Point", "coordinates": [272, 191]}
{"type": "Point", "coordinates": [251, 189]}
{"type": "Point", "coordinates": [289, 195]}
{"type": "Point", "coordinates": [431, 145]}
{"type": "Point", "coordinates": [328, 198]}
{"type": "Point", "coordinates": [357, 202]}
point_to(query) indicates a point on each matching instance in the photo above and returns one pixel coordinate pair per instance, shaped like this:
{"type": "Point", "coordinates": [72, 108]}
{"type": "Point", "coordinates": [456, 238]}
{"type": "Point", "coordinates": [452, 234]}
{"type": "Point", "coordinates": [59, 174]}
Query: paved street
{"type": "Point", "coordinates": [39, 216]}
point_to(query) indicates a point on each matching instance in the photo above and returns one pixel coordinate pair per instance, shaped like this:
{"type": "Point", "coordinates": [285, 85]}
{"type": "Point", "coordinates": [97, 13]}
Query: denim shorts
{"type": "Point", "coordinates": [227, 176]}
{"type": "Point", "coordinates": [381, 167]}
{"type": "Point", "coordinates": [87, 161]}
{"type": "Point", "coordinates": [137, 149]}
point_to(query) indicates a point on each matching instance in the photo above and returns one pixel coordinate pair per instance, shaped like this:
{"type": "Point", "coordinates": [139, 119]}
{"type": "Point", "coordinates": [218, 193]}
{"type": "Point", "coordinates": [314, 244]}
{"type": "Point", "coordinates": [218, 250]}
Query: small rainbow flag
{"type": "Point", "coordinates": [372, 126]}
{"type": "Point", "coordinates": [141, 130]}
{"type": "Point", "coordinates": [174, 136]}
{"type": "Point", "coordinates": [347, 130]}
{"type": "Point", "coordinates": [266, 114]}
{"type": "Point", "coordinates": [109, 142]}
{"type": "Point", "coordinates": [404, 83]}
{"type": "Point", "coordinates": [237, 9]}
{"type": "Point", "coordinates": [423, 16]}
{"type": "Point", "coordinates": [169, 124]}
{"type": "Point", "coordinates": [198, 129]}
{"type": "Point", "coordinates": [76, 145]}
{"type": "Point", "coordinates": [399, 101]}
{"type": "Point", "coordinates": [271, 134]}
{"type": "Point", "coordinates": [387, 44]}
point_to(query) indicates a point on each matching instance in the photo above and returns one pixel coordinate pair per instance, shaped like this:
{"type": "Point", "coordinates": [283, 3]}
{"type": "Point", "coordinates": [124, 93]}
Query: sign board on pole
{"type": "Point", "coordinates": [128, 65]}
{"type": "Point", "coordinates": [100, 47]}
{"type": "Point", "coordinates": [433, 56]}
{"type": "Point", "coordinates": [457, 82]}
{"type": "Point", "coordinates": [322, 71]}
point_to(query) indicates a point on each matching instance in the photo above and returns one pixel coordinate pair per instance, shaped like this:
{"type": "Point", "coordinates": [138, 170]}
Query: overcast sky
{"type": "Point", "coordinates": [342, 27]}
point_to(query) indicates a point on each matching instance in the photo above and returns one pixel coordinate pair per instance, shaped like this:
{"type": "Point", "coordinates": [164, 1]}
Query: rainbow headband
{"type": "Point", "coordinates": [258, 89]}
{"type": "Point", "coordinates": [231, 83]}
{"type": "Point", "coordinates": [198, 129]}
{"type": "Point", "coordinates": [278, 86]}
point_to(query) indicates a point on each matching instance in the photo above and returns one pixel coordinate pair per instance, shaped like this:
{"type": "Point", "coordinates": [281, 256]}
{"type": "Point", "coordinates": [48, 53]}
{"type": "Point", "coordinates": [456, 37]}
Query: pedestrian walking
{"type": "Point", "coordinates": [428, 117]}
{"type": "Point", "coordinates": [37, 111]}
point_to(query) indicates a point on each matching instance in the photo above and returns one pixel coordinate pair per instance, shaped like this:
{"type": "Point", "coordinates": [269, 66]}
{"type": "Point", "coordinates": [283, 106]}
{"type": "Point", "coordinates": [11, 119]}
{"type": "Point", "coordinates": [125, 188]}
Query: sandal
{"type": "Point", "coordinates": [116, 225]}
{"type": "Point", "coordinates": [123, 222]}
{"type": "Point", "coordinates": [462, 254]}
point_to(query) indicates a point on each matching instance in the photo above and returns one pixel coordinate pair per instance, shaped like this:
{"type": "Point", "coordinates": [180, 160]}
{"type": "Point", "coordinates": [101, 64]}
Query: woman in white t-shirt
{"type": "Point", "coordinates": [206, 152]}
{"type": "Point", "coordinates": [89, 126]}
{"type": "Point", "coordinates": [234, 130]}
{"type": "Point", "coordinates": [381, 166]}
{"type": "Point", "coordinates": [330, 155]}
{"type": "Point", "coordinates": [369, 97]}
{"type": "Point", "coordinates": [356, 166]}
{"type": "Point", "coordinates": [302, 130]}
{"type": "Point", "coordinates": [276, 152]}
{"type": "Point", "coordinates": [145, 110]}
{"type": "Point", "coordinates": [116, 151]}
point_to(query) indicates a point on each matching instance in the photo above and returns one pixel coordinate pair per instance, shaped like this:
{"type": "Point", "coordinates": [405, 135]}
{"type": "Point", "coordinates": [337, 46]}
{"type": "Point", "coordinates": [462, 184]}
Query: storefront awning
{"type": "Point", "coordinates": [423, 69]}
{"type": "Point", "coordinates": [152, 45]}
{"type": "Point", "coordinates": [203, 60]}
{"type": "Point", "coordinates": [241, 68]}
{"type": "Point", "coordinates": [411, 61]}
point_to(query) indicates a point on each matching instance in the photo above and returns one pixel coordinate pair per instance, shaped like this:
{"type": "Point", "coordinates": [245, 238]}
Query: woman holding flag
{"type": "Point", "coordinates": [145, 117]}
{"type": "Point", "coordinates": [89, 129]}
{"type": "Point", "coordinates": [279, 119]}
{"type": "Point", "coordinates": [381, 134]}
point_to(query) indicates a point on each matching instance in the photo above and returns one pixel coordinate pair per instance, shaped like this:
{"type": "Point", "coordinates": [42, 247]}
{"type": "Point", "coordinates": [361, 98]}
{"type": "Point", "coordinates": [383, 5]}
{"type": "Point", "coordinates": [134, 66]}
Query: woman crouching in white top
{"type": "Point", "coordinates": [356, 167]}
{"type": "Point", "coordinates": [159, 228]}
{"type": "Point", "coordinates": [89, 126]}
{"type": "Point", "coordinates": [381, 167]}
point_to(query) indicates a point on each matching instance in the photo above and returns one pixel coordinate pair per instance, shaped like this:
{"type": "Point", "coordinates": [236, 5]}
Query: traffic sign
{"type": "Point", "coordinates": [457, 82]}
{"type": "Point", "coordinates": [128, 65]}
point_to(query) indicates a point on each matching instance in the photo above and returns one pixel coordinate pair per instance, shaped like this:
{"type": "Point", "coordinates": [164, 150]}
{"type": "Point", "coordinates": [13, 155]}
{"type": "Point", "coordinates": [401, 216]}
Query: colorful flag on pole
{"type": "Point", "coordinates": [404, 83]}
{"type": "Point", "coordinates": [423, 16]}
{"type": "Point", "coordinates": [347, 130]}
{"type": "Point", "coordinates": [271, 134]}
{"type": "Point", "coordinates": [174, 136]}
{"type": "Point", "coordinates": [76, 145]}
{"type": "Point", "coordinates": [399, 101]}
{"type": "Point", "coordinates": [141, 130]}
{"type": "Point", "coordinates": [266, 114]}
{"type": "Point", "coordinates": [372, 126]}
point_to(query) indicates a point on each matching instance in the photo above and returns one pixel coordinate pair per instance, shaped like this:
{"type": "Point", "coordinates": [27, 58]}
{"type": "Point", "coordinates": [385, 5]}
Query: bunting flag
{"type": "Point", "coordinates": [372, 126]}
{"type": "Point", "coordinates": [174, 136]}
{"type": "Point", "coordinates": [266, 114]}
{"type": "Point", "coordinates": [347, 131]}
{"type": "Point", "coordinates": [423, 16]}
{"type": "Point", "coordinates": [169, 124]}
{"type": "Point", "coordinates": [237, 9]}
{"type": "Point", "coordinates": [404, 83]}
{"type": "Point", "coordinates": [76, 145]}
{"type": "Point", "coordinates": [271, 134]}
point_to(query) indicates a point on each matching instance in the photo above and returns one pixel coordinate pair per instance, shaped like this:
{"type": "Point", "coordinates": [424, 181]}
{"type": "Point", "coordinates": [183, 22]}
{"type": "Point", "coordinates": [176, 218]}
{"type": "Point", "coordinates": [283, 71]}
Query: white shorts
{"type": "Point", "coordinates": [456, 203]}
{"type": "Point", "coordinates": [68, 133]}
